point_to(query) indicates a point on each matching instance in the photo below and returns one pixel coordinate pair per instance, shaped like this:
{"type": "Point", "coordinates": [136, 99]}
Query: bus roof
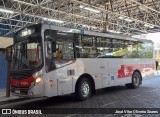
{"type": "Point", "coordinates": [85, 32]}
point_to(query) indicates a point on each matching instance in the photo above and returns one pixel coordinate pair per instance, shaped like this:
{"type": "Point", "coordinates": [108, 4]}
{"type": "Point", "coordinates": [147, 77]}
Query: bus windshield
{"type": "Point", "coordinates": [27, 54]}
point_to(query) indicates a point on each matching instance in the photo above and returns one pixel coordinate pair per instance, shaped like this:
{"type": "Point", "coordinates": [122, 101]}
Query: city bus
{"type": "Point", "coordinates": [50, 60]}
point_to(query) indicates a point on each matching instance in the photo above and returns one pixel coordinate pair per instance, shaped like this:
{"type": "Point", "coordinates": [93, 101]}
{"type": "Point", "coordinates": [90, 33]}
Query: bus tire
{"type": "Point", "coordinates": [136, 81]}
{"type": "Point", "coordinates": [84, 89]}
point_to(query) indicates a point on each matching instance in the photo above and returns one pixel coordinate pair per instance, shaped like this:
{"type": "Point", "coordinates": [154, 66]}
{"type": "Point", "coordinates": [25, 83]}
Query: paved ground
{"type": "Point", "coordinates": [4, 98]}
{"type": "Point", "coordinates": [147, 96]}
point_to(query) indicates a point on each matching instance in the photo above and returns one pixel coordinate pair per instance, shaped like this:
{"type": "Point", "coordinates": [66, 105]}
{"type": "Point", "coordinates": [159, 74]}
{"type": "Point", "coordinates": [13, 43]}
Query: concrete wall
{"type": "Point", "coordinates": [5, 42]}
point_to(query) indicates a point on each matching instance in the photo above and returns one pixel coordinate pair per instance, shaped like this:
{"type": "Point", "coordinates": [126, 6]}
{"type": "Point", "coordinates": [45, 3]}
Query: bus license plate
{"type": "Point", "coordinates": [17, 91]}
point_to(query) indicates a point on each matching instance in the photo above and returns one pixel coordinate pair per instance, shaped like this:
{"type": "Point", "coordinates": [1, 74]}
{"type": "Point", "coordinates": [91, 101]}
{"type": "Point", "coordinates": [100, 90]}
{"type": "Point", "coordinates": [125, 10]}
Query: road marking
{"type": "Point", "coordinates": [135, 96]}
{"type": "Point", "coordinates": [154, 90]}
{"type": "Point", "coordinates": [108, 104]}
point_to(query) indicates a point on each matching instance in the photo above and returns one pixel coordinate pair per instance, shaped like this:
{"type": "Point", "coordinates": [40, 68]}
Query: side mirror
{"type": "Point", "coordinates": [9, 53]}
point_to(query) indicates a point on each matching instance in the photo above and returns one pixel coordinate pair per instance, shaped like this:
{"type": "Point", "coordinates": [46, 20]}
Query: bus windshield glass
{"type": "Point", "coordinates": [27, 54]}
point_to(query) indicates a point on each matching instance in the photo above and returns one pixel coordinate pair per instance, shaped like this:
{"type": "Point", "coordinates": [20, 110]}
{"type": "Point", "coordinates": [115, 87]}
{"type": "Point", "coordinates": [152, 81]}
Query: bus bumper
{"type": "Point", "coordinates": [36, 91]}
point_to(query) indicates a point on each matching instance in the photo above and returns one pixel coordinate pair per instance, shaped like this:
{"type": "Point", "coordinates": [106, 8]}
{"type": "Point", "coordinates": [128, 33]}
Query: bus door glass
{"type": "Point", "coordinates": [50, 54]}
{"type": "Point", "coordinates": [59, 49]}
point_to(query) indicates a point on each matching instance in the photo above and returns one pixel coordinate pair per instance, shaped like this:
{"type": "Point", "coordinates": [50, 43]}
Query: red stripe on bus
{"type": "Point", "coordinates": [127, 70]}
{"type": "Point", "coordinates": [22, 83]}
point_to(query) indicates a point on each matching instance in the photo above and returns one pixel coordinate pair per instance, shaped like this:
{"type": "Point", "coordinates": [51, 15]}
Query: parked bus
{"type": "Point", "coordinates": [49, 61]}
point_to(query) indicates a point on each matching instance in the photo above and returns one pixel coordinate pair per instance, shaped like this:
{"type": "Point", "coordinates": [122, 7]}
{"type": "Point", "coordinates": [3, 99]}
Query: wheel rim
{"type": "Point", "coordinates": [136, 79]}
{"type": "Point", "coordinates": [85, 89]}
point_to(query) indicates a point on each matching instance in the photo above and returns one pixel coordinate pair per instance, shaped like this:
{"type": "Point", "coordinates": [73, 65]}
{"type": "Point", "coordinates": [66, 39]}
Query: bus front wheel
{"type": "Point", "coordinates": [83, 91]}
{"type": "Point", "coordinates": [136, 81]}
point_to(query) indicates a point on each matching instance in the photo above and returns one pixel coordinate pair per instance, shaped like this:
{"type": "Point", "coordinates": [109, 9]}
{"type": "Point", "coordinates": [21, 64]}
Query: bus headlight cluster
{"type": "Point", "coordinates": [38, 80]}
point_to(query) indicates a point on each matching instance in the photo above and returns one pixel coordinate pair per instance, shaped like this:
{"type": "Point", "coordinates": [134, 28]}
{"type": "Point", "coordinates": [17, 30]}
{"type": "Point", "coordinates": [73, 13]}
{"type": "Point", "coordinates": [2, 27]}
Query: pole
{"type": "Point", "coordinates": [8, 55]}
{"type": "Point", "coordinates": [8, 81]}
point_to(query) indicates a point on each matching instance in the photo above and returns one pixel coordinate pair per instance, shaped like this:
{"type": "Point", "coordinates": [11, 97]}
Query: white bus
{"type": "Point", "coordinates": [50, 61]}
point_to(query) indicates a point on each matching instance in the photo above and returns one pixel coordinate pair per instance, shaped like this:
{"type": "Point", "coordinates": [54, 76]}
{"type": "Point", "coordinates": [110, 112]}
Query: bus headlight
{"type": "Point", "coordinates": [38, 80]}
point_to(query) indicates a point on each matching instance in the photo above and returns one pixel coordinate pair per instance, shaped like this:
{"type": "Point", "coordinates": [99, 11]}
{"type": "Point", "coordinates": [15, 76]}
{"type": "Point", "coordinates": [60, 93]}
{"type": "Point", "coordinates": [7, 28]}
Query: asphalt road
{"type": "Point", "coordinates": [146, 96]}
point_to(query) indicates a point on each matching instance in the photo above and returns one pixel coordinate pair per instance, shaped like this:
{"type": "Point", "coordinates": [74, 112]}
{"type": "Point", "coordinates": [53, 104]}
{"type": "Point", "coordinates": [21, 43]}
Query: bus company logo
{"type": "Point", "coordinates": [6, 111]}
{"type": "Point", "coordinates": [24, 83]}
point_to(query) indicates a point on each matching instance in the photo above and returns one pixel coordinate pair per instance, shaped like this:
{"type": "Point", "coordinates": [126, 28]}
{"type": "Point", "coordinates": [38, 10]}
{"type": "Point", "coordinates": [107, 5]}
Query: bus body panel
{"type": "Point", "coordinates": [85, 66]}
{"type": "Point", "coordinates": [112, 72]}
{"type": "Point", "coordinates": [60, 81]}
{"type": "Point", "coordinates": [50, 80]}
{"type": "Point", "coordinates": [66, 76]}
{"type": "Point", "coordinates": [37, 91]}
{"type": "Point", "coordinates": [105, 72]}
